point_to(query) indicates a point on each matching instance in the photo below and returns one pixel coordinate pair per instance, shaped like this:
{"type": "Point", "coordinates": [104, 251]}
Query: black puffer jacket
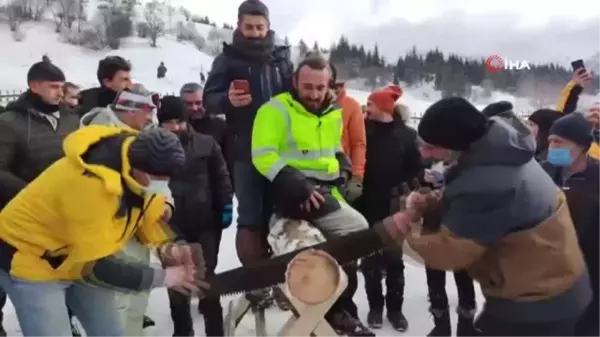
{"type": "Point", "coordinates": [202, 188]}
{"type": "Point", "coordinates": [267, 78]}
{"type": "Point", "coordinates": [392, 158]}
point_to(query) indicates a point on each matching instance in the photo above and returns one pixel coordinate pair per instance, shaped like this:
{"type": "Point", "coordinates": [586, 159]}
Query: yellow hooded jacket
{"type": "Point", "coordinates": [77, 212]}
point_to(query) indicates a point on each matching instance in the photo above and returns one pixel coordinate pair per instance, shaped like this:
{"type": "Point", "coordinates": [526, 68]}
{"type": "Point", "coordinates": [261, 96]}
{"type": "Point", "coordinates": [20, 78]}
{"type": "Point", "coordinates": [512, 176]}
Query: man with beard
{"type": "Point", "coordinates": [296, 144]}
{"type": "Point", "coordinates": [202, 122]}
{"type": "Point", "coordinates": [203, 194]}
{"type": "Point", "coordinates": [247, 74]}
{"type": "Point", "coordinates": [31, 133]}
{"type": "Point", "coordinates": [114, 75]}
{"type": "Point", "coordinates": [131, 109]}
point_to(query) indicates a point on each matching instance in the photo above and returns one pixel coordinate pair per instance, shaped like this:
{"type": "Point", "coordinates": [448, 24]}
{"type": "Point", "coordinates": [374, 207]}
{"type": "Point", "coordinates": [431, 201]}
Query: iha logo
{"type": "Point", "coordinates": [497, 63]}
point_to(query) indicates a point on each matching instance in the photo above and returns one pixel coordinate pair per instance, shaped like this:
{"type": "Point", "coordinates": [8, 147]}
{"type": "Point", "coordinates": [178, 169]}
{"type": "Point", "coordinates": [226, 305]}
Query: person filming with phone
{"type": "Point", "coordinates": [569, 98]}
{"type": "Point", "coordinates": [248, 72]}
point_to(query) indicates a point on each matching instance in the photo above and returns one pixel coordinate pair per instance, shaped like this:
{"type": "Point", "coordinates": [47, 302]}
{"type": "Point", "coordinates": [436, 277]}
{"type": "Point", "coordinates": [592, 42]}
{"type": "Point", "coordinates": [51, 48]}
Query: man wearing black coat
{"type": "Point", "coordinates": [243, 77]}
{"type": "Point", "coordinates": [202, 193]}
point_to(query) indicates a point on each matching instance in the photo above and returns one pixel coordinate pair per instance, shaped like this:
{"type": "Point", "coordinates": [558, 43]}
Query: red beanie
{"type": "Point", "coordinates": [385, 98]}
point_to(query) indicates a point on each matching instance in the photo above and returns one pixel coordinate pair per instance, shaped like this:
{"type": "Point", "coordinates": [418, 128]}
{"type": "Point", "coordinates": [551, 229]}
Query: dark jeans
{"type": "Point", "coordinates": [436, 284]}
{"type": "Point", "coordinates": [494, 326]}
{"type": "Point", "coordinates": [2, 303]}
{"type": "Point", "coordinates": [373, 269]}
{"type": "Point", "coordinates": [209, 307]}
{"type": "Point", "coordinates": [588, 322]}
{"type": "Point", "coordinates": [252, 191]}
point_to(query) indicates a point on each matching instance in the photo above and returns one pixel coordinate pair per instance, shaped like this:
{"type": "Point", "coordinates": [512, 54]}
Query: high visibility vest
{"type": "Point", "coordinates": [285, 133]}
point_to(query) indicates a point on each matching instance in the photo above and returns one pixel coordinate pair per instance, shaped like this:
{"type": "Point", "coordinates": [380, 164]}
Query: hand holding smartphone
{"type": "Point", "coordinates": [242, 85]}
{"type": "Point", "coordinates": [239, 93]}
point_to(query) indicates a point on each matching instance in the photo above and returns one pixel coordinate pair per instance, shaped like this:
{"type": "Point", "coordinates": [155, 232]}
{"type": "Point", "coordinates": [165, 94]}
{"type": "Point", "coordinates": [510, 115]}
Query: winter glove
{"type": "Point", "coordinates": [227, 216]}
{"type": "Point", "coordinates": [353, 189]}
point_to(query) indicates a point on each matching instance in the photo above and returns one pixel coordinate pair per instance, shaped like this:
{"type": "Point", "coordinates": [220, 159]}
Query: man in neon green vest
{"type": "Point", "coordinates": [296, 144]}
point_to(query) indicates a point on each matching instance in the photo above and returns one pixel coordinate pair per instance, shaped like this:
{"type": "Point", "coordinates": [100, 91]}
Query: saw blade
{"type": "Point", "coordinates": [270, 272]}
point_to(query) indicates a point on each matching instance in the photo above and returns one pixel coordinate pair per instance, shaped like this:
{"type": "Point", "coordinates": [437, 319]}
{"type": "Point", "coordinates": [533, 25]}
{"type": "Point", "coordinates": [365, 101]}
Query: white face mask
{"type": "Point", "coordinates": [158, 187]}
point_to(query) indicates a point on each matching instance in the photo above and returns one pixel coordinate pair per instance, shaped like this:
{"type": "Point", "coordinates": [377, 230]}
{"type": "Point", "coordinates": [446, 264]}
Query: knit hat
{"type": "Point", "coordinates": [171, 107]}
{"type": "Point", "coordinates": [385, 98]}
{"type": "Point", "coordinates": [253, 7]}
{"type": "Point", "coordinates": [501, 108]}
{"type": "Point", "coordinates": [134, 99]}
{"type": "Point", "coordinates": [157, 151]}
{"type": "Point", "coordinates": [45, 72]}
{"type": "Point", "coordinates": [574, 127]}
{"type": "Point", "coordinates": [452, 123]}
{"type": "Point", "coordinates": [544, 118]}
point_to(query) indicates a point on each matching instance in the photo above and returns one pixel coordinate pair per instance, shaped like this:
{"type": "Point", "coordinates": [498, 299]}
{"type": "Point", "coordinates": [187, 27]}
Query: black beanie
{"type": "Point", "coordinates": [544, 118]}
{"type": "Point", "coordinates": [253, 7]}
{"type": "Point", "coordinates": [171, 107]}
{"type": "Point", "coordinates": [574, 127]}
{"type": "Point", "coordinates": [452, 123]}
{"type": "Point", "coordinates": [502, 108]}
{"type": "Point", "coordinates": [45, 72]}
{"type": "Point", "coordinates": [157, 151]}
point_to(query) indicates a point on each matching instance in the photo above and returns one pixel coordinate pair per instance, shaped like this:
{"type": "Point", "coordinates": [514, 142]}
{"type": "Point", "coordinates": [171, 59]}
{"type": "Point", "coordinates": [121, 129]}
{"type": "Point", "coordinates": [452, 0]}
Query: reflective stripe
{"type": "Point", "coordinates": [293, 152]}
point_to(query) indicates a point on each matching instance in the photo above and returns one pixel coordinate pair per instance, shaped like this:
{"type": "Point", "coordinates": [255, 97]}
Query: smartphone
{"type": "Point", "coordinates": [577, 64]}
{"type": "Point", "coordinates": [242, 85]}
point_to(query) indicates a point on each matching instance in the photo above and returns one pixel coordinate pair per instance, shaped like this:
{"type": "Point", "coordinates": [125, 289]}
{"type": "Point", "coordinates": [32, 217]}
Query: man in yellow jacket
{"type": "Point", "coordinates": [296, 144]}
{"type": "Point", "coordinates": [58, 236]}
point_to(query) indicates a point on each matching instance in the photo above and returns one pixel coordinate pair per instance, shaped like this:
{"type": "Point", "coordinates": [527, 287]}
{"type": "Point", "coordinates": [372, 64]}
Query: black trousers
{"type": "Point", "coordinates": [373, 269]}
{"type": "Point", "coordinates": [588, 322]}
{"type": "Point", "coordinates": [494, 326]}
{"type": "Point", "coordinates": [2, 303]}
{"type": "Point", "coordinates": [438, 298]}
{"type": "Point", "coordinates": [209, 307]}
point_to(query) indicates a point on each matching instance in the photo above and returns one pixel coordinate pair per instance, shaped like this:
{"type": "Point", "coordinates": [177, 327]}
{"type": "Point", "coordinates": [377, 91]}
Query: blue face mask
{"type": "Point", "coordinates": [560, 156]}
{"type": "Point", "coordinates": [158, 187]}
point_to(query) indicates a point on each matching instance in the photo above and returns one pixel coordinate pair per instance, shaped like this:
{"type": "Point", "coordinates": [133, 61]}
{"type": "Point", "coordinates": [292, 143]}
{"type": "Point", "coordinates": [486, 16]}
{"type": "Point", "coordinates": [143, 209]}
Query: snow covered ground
{"type": "Point", "coordinates": [415, 303]}
{"type": "Point", "coordinates": [184, 63]}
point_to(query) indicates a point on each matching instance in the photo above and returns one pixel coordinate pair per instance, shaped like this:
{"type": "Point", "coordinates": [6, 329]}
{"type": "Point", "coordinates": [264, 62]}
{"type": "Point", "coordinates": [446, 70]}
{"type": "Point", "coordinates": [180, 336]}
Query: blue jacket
{"type": "Point", "coordinates": [266, 79]}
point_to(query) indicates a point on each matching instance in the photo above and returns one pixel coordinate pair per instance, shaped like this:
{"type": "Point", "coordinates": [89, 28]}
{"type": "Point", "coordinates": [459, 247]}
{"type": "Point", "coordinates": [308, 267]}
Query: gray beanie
{"type": "Point", "coordinates": [253, 7]}
{"type": "Point", "coordinates": [157, 151]}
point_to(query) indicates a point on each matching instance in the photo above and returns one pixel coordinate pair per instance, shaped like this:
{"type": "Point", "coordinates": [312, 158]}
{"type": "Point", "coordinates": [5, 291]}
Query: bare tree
{"type": "Point", "coordinates": [37, 7]}
{"type": "Point", "coordinates": [65, 13]}
{"type": "Point", "coordinates": [153, 14]}
{"type": "Point", "coordinates": [186, 13]}
{"type": "Point", "coordinates": [14, 12]}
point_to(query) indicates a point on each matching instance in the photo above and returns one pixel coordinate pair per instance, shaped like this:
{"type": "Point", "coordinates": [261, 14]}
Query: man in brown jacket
{"type": "Point", "coordinates": [504, 221]}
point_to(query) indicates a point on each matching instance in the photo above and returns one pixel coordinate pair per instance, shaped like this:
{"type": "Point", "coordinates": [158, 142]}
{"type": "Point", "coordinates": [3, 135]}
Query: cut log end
{"type": "Point", "coordinates": [313, 277]}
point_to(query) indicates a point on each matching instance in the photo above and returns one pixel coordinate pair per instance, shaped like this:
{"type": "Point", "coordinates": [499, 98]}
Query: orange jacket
{"type": "Point", "coordinates": [354, 139]}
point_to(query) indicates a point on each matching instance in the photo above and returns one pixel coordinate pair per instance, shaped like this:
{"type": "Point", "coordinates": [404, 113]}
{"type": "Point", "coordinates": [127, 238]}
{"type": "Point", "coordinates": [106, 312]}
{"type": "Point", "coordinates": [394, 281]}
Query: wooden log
{"type": "Point", "coordinates": [313, 277]}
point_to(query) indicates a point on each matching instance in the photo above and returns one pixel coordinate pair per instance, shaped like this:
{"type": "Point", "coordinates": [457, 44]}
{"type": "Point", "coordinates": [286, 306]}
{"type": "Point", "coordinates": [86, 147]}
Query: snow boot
{"type": "Point", "coordinates": [397, 320]}
{"type": "Point", "coordinates": [345, 325]}
{"type": "Point", "coordinates": [441, 320]}
{"type": "Point", "coordinates": [375, 319]}
{"type": "Point", "coordinates": [281, 300]}
{"type": "Point", "coordinates": [74, 331]}
{"type": "Point", "coordinates": [148, 322]}
{"type": "Point", "coordinates": [260, 299]}
{"type": "Point", "coordinates": [465, 325]}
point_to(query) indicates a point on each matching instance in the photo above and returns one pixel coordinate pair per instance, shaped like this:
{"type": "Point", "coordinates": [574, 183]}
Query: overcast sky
{"type": "Point", "coordinates": [531, 30]}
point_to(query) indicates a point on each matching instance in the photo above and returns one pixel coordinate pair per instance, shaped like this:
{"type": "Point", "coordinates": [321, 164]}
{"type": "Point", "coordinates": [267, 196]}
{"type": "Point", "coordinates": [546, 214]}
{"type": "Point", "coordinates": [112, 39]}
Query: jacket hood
{"type": "Point", "coordinates": [102, 116]}
{"type": "Point", "coordinates": [506, 143]}
{"type": "Point", "coordinates": [77, 144]}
